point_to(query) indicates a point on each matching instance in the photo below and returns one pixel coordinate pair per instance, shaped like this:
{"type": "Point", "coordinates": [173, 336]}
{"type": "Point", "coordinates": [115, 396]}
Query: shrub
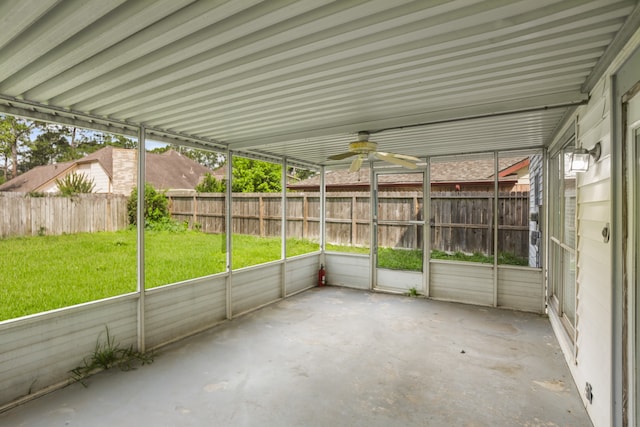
{"type": "Point", "coordinates": [75, 183]}
{"type": "Point", "coordinates": [156, 206]}
{"type": "Point", "coordinates": [210, 184]}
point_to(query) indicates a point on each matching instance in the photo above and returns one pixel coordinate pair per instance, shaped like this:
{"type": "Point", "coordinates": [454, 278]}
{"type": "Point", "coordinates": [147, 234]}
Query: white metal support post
{"type": "Point", "coordinates": [544, 232]}
{"type": "Point", "coordinates": [496, 223]}
{"type": "Point", "coordinates": [426, 232]}
{"type": "Point", "coordinates": [323, 216]}
{"type": "Point", "coordinates": [140, 221]}
{"type": "Point", "coordinates": [373, 227]}
{"type": "Point", "coordinates": [229, 230]}
{"type": "Point", "coordinates": [576, 239]}
{"type": "Point", "coordinates": [283, 230]}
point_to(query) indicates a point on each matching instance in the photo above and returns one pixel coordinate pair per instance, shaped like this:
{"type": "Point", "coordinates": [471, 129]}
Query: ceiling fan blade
{"type": "Point", "coordinates": [392, 158]}
{"type": "Point", "coordinates": [405, 157]}
{"type": "Point", "coordinates": [355, 165]}
{"type": "Point", "coordinates": [342, 155]}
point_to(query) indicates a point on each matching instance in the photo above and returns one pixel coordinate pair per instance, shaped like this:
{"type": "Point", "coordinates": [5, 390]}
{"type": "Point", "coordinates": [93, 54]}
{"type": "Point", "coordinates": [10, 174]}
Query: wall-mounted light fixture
{"type": "Point", "coordinates": [581, 157]}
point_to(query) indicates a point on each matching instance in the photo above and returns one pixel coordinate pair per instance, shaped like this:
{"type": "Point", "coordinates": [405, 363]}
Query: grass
{"type": "Point", "coordinates": [504, 258]}
{"type": "Point", "coordinates": [411, 259]}
{"type": "Point", "coordinates": [396, 259]}
{"type": "Point", "coordinates": [42, 273]}
{"type": "Point", "coordinates": [348, 249]}
{"type": "Point", "coordinates": [108, 354]}
{"type": "Point", "coordinates": [400, 259]}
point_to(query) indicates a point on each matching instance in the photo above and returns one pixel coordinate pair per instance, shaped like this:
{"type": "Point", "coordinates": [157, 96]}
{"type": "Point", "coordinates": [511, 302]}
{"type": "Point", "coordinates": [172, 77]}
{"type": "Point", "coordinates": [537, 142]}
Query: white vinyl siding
{"type": "Point", "coordinates": [593, 256]}
{"type": "Point", "coordinates": [535, 202]}
{"type": "Point", "coordinates": [590, 357]}
{"type": "Point", "coordinates": [93, 171]}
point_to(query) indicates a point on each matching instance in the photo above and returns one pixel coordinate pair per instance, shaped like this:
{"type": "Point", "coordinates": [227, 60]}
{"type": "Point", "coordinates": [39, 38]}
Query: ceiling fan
{"type": "Point", "coordinates": [363, 148]}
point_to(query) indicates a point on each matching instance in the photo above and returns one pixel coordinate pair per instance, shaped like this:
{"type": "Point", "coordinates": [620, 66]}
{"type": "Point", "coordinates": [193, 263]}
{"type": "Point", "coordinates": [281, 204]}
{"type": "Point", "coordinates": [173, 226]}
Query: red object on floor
{"type": "Point", "coordinates": [322, 276]}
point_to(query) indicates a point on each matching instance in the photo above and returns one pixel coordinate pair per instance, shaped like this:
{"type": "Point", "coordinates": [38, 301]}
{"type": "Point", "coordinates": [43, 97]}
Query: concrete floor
{"type": "Point", "coordinates": [337, 357]}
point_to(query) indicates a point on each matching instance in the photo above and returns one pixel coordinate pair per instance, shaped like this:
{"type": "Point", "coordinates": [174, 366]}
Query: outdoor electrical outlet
{"type": "Point", "coordinates": [588, 393]}
{"type": "Point", "coordinates": [606, 233]}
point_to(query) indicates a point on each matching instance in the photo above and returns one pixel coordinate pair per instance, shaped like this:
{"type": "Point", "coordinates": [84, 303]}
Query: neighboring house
{"type": "Point", "coordinates": [113, 170]}
{"type": "Point", "coordinates": [461, 175]}
{"type": "Point", "coordinates": [535, 208]}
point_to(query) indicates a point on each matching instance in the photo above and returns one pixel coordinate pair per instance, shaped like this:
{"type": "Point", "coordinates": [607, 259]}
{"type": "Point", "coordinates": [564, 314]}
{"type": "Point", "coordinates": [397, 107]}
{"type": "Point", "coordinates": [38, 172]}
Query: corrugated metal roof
{"type": "Point", "coordinates": [299, 78]}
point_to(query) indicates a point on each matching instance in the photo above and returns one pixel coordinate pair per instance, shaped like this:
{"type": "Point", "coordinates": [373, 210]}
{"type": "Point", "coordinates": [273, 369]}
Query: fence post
{"type": "Point", "coordinates": [354, 222]}
{"type": "Point", "coordinates": [490, 232]}
{"type": "Point", "coordinates": [305, 215]}
{"type": "Point", "coordinates": [416, 215]}
{"type": "Point", "coordinates": [195, 210]}
{"type": "Point", "coordinates": [108, 214]}
{"type": "Point", "coordinates": [261, 215]}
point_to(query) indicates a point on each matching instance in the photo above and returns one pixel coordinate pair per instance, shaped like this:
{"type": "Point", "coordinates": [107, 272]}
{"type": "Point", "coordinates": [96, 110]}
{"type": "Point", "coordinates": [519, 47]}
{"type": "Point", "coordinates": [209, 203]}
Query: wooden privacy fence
{"type": "Point", "coordinates": [463, 221]}
{"type": "Point", "coordinates": [460, 221]}
{"type": "Point", "coordinates": [24, 215]}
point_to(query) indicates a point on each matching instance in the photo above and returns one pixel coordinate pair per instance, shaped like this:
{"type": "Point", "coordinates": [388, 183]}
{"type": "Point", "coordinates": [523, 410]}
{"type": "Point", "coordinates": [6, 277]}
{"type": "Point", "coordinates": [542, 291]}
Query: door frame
{"type": "Point", "coordinates": [622, 83]}
{"type": "Point", "coordinates": [631, 293]}
{"type": "Point", "coordinates": [426, 229]}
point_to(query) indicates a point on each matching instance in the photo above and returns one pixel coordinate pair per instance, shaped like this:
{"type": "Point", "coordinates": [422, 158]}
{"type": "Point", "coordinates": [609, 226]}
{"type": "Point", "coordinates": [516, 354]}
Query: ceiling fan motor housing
{"type": "Point", "coordinates": [362, 147]}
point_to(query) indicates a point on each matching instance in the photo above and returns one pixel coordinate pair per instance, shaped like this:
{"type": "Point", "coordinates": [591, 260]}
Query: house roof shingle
{"type": "Point", "coordinates": [467, 171]}
{"type": "Point", "coordinates": [169, 170]}
{"type": "Point", "coordinates": [35, 177]}
{"type": "Point", "coordinates": [172, 170]}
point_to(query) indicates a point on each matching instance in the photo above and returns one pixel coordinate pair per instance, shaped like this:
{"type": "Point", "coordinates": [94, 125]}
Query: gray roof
{"type": "Point", "coordinates": [172, 170]}
{"type": "Point", "coordinates": [462, 171]}
{"type": "Point", "coordinates": [169, 170]}
{"type": "Point", "coordinates": [35, 177]}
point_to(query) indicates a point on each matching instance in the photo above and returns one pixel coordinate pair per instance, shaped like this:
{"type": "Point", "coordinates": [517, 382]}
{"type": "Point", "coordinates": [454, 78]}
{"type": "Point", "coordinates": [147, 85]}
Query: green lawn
{"type": "Point", "coordinates": [46, 272]}
{"type": "Point", "coordinates": [411, 259]}
{"type": "Point", "coordinates": [42, 273]}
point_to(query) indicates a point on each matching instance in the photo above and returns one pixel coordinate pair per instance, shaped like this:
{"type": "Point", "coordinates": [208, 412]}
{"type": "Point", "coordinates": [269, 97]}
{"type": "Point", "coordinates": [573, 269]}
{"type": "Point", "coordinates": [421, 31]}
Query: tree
{"type": "Point", "coordinates": [53, 143]}
{"type": "Point", "coordinates": [75, 183]}
{"type": "Point", "coordinates": [255, 176]}
{"type": "Point", "coordinates": [14, 135]}
{"type": "Point", "coordinates": [48, 147]}
{"type": "Point", "coordinates": [210, 184]}
{"type": "Point", "coordinates": [209, 159]}
{"type": "Point", "coordinates": [119, 141]}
